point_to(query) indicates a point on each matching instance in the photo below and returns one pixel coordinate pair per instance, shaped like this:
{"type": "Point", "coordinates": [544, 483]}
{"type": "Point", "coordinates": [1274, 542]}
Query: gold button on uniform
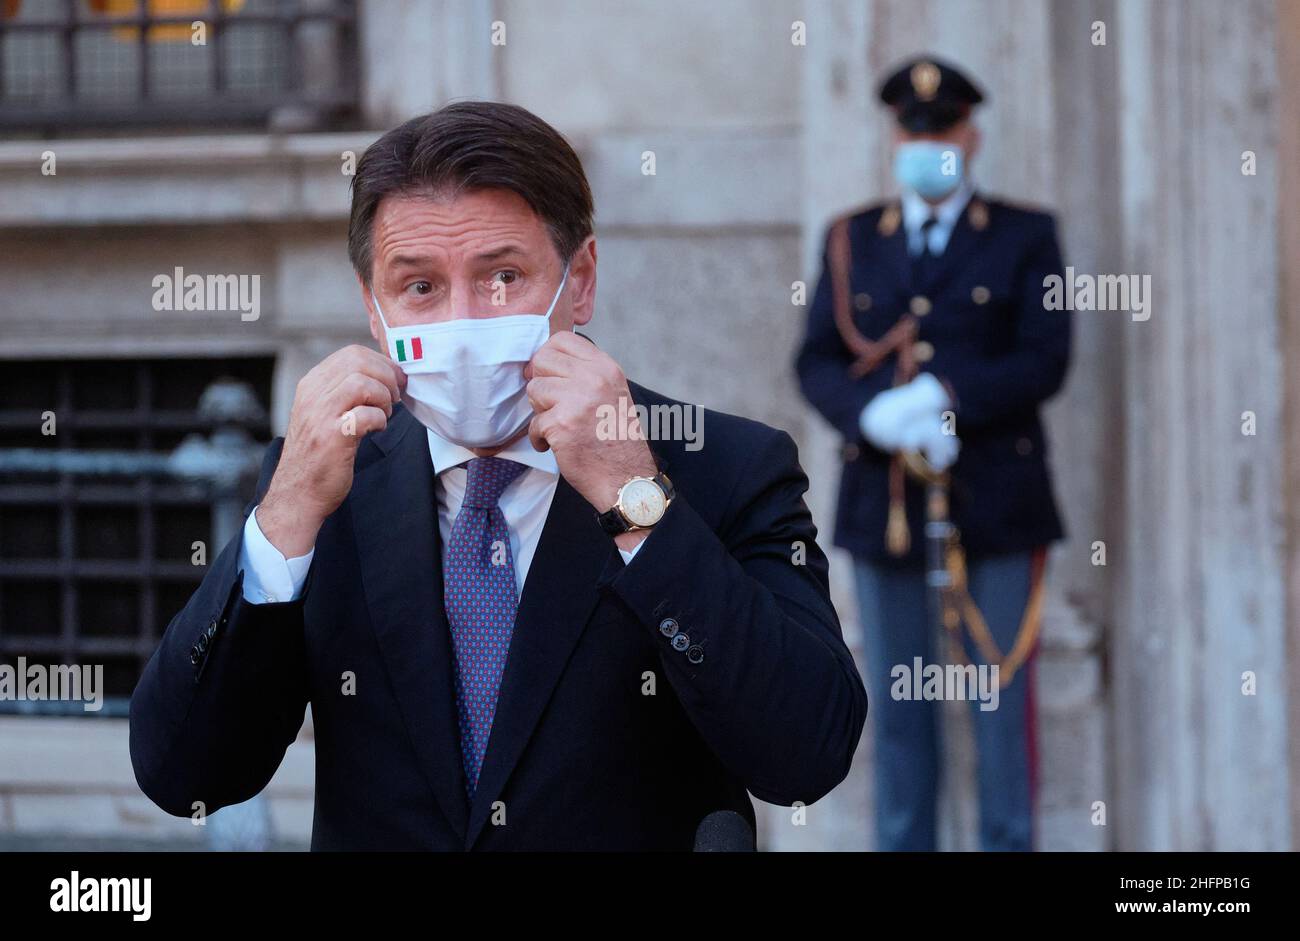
{"type": "Point", "coordinates": [980, 295]}
{"type": "Point", "coordinates": [862, 301]}
{"type": "Point", "coordinates": [920, 305]}
{"type": "Point", "coordinates": [923, 352]}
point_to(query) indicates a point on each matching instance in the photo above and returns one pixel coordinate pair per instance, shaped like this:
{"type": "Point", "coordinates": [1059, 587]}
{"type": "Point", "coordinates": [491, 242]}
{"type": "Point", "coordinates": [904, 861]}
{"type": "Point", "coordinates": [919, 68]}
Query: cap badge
{"type": "Point", "coordinates": [925, 80]}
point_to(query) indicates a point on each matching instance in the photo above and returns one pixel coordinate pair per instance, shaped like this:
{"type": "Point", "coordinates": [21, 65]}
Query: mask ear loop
{"type": "Point", "coordinates": [564, 280]}
{"type": "Point", "coordinates": [380, 311]}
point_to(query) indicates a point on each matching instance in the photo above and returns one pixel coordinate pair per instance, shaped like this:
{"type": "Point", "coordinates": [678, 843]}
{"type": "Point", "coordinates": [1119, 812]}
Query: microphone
{"type": "Point", "coordinates": [724, 831]}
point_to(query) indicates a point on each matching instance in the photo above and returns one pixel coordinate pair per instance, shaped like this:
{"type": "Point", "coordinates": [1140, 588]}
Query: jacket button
{"type": "Point", "coordinates": [668, 627]}
{"type": "Point", "coordinates": [920, 305]}
{"type": "Point", "coordinates": [681, 642]}
{"type": "Point", "coordinates": [923, 352]}
{"type": "Point", "coordinates": [862, 301]}
{"type": "Point", "coordinates": [980, 294]}
{"type": "Point", "coordinates": [1024, 447]}
{"type": "Point", "coordinates": [212, 629]}
{"type": "Point", "coordinates": [695, 654]}
{"type": "Point", "coordinates": [195, 655]}
{"type": "Point", "coordinates": [850, 452]}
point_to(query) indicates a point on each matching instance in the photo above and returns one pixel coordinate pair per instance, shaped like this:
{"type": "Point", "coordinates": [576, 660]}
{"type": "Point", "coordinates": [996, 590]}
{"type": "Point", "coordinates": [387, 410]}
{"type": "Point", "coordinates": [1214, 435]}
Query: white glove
{"type": "Point", "coordinates": [888, 416]}
{"type": "Point", "coordinates": [930, 436]}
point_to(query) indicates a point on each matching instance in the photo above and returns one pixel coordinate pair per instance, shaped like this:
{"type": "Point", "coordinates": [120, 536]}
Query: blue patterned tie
{"type": "Point", "coordinates": [480, 597]}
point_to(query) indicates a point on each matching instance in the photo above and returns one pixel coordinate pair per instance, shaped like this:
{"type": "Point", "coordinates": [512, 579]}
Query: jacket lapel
{"type": "Point", "coordinates": [558, 598]}
{"type": "Point", "coordinates": [395, 518]}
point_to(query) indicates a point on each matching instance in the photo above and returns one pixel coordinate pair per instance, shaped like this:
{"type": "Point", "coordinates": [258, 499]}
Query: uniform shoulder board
{"type": "Point", "coordinates": [883, 217]}
{"type": "Point", "coordinates": [891, 215]}
{"type": "Point", "coordinates": [1022, 208]}
{"type": "Point", "coordinates": [859, 212]}
{"type": "Point", "coordinates": [864, 216]}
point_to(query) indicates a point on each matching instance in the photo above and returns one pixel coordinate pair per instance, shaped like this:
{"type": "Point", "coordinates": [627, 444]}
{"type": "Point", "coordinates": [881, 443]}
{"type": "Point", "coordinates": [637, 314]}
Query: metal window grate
{"type": "Point", "coordinates": [73, 64]}
{"type": "Point", "coordinates": [92, 568]}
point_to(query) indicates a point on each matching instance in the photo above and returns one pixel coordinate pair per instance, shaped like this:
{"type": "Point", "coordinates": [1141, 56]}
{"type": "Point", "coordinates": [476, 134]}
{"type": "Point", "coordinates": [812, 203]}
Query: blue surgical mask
{"type": "Point", "coordinates": [932, 169]}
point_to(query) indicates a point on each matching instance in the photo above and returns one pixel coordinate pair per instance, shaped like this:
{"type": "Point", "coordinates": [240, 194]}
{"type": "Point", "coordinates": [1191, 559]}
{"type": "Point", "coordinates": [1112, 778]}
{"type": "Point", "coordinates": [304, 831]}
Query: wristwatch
{"type": "Point", "coordinates": [642, 502]}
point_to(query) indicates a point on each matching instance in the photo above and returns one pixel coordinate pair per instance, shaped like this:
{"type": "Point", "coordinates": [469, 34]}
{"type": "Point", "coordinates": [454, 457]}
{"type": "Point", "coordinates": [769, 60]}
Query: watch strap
{"type": "Point", "coordinates": [612, 521]}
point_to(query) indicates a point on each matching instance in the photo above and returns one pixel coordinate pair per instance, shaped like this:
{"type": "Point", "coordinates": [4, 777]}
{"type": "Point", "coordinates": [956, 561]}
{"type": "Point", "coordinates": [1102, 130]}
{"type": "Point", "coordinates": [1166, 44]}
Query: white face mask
{"type": "Point", "coordinates": [465, 378]}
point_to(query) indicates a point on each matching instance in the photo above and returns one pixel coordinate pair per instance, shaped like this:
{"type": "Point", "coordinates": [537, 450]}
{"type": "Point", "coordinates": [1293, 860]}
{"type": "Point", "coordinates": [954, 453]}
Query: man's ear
{"type": "Point", "coordinates": [376, 328]}
{"type": "Point", "coordinates": [582, 275]}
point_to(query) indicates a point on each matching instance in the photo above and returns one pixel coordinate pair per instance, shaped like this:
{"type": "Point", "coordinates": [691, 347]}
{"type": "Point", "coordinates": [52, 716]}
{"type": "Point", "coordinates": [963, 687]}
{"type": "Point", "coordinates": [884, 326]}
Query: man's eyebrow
{"type": "Point", "coordinates": [508, 249]}
{"type": "Point", "coordinates": [418, 261]}
{"type": "Point", "coordinates": [410, 261]}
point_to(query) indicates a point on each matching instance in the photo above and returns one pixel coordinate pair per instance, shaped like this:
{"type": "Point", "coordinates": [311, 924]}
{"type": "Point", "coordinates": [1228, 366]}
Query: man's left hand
{"type": "Point", "coordinates": [569, 379]}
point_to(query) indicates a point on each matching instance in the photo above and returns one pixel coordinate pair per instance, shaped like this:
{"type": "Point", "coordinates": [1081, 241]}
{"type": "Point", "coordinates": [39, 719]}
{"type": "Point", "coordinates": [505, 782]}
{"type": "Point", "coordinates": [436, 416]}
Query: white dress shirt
{"type": "Point", "coordinates": [270, 577]}
{"type": "Point", "coordinates": [916, 210]}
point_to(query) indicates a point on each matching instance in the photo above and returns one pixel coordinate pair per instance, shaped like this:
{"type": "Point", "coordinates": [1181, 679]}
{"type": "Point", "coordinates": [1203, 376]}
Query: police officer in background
{"type": "Point", "coordinates": [928, 337]}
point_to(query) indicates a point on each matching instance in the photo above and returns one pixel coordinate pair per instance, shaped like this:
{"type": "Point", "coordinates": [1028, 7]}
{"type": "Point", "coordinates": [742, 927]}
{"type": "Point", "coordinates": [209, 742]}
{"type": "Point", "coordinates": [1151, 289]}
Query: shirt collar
{"type": "Point", "coordinates": [916, 210]}
{"type": "Point", "coordinates": [446, 454]}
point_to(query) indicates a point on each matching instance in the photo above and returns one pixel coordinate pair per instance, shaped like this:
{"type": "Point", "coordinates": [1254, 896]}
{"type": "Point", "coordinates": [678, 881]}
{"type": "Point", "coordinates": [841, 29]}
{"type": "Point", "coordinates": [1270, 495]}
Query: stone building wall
{"type": "Point", "coordinates": [757, 143]}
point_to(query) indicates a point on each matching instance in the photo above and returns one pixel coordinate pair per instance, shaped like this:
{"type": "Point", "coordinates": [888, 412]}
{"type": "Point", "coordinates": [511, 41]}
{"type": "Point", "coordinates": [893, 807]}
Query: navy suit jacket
{"type": "Point", "coordinates": [1001, 353]}
{"type": "Point", "coordinates": [580, 757]}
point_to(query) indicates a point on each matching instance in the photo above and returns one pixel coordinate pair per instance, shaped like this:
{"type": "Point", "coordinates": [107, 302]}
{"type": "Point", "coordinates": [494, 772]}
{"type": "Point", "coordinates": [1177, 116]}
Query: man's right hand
{"type": "Point", "coordinates": [345, 397]}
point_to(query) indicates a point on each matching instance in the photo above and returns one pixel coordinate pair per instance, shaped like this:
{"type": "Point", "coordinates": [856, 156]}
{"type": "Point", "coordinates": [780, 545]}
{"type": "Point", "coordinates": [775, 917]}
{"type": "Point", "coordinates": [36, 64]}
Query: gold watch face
{"type": "Point", "coordinates": [642, 502]}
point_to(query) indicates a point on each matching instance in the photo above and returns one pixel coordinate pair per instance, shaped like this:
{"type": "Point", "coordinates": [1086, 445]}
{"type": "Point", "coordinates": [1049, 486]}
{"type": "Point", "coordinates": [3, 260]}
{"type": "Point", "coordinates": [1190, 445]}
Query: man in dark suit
{"type": "Point", "coordinates": [517, 626]}
{"type": "Point", "coordinates": [929, 335]}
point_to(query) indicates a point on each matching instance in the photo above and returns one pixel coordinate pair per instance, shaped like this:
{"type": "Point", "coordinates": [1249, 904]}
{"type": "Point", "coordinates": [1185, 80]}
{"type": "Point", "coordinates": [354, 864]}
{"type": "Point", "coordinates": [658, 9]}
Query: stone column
{"type": "Point", "coordinates": [1199, 765]}
{"type": "Point", "coordinates": [1082, 146]}
{"type": "Point", "coordinates": [839, 172]}
{"type": "Point", "coordinates": [1288, 217]}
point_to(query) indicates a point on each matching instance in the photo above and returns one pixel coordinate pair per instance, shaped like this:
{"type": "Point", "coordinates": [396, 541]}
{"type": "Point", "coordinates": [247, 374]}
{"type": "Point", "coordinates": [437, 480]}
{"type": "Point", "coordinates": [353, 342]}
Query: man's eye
{"type": "Point", "coordinates": [421, 287]}
{"type": "Point", "coordinates": [505, 277]}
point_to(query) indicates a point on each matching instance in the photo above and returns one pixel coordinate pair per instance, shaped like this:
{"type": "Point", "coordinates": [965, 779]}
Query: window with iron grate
{"type": "Point", "coordinates": [93, 565]}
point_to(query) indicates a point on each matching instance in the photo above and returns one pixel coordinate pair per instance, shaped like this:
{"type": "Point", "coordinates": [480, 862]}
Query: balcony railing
{"type": "Point", "coordinates": [69, 65]}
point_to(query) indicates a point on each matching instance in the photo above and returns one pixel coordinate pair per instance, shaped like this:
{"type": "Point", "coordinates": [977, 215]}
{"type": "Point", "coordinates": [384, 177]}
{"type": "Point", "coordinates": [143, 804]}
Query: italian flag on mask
{"type": "Point", "coordinates": [409, 350]}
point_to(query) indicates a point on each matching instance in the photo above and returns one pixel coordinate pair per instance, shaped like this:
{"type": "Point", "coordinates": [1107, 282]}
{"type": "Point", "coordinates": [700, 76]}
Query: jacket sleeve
{"type": "Point", "coordinates": [223, 695]}
{"type": "Point", "coordinates": [775, 692]}
{"type": "Point", "coordinates": [988, 389]}
{"type": "Point", "coordinates": [823, 364]}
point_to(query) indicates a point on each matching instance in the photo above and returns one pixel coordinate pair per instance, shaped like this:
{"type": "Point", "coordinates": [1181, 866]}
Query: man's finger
{"type": "Point", "coordinates": [361, 420]}
{"type": "Point", "coordinates": [552, 361]}
{"type": "Point", "coordinates": [384, 370]}
{"type": "Point", "coordinates": [573, 344]}
{"type": "Point", "coordinates": [544, 392]}
{"type": "Point", "coordinates": [339, 364]}
{"type": "Point", "coordinates": [536, 436]}
{"type": "Point", "coordinates": [382, 367]}
{"type": "Point", "coordinates": [360, 389]}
